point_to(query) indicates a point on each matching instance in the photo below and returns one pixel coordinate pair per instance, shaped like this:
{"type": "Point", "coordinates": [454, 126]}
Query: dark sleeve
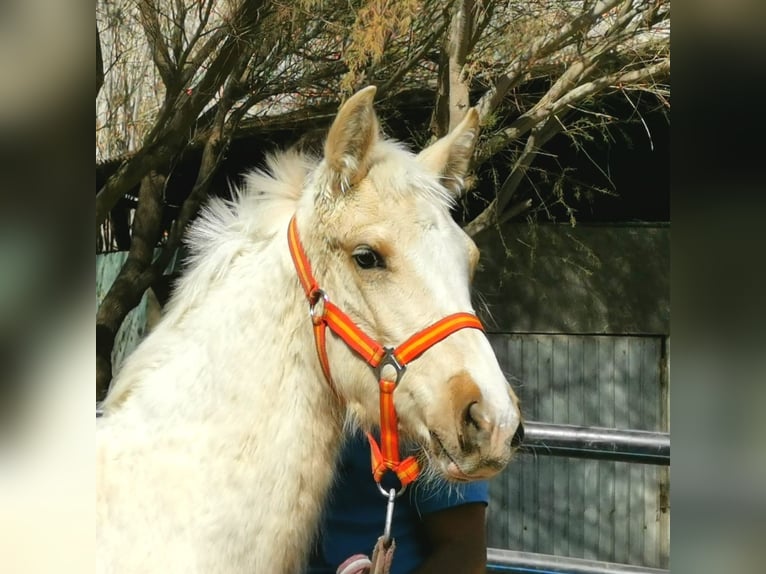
{"type": "Point", "coordinates": [457, 540]}
{"type": "Point", "coordinates": [429, 497]}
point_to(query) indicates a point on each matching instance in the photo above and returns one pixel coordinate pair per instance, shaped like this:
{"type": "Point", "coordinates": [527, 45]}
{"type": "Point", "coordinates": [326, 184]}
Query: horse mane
{"type": "Point", "coordinates": [261, 207]}
{"type": "Point", "coordinates": [257, 209]}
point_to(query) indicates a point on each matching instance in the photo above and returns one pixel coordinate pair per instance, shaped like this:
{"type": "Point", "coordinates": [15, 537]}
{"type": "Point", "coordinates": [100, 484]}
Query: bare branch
{"type": "Point", "coordinates": [536, 140]}
{"type": "Point", "coordinates": [539, 49]}
{"type": "Point", "coordinates": [416, 57]}
{"type": "Point", "coordinates": [654, 72]}
{"type": "Point", "coordinates": [461, 33]}
{"type": "Point", "coordinates": [180, 10]}
{"type": "Point", "coordinates": [496, 211]}
{"type": "Point", "coordinates": [548, 108]}
{"type": "Point", "coordinates": [204, 10]}
{"type": "Point", "coordinates": [483, 16]}
{"type": "Point", "coordinates": [150, 22]}
{"type": "Point", "coordinates": [99, 63]}
{"type": "Point", "coordinates": [216, 144]}
{"type": "Point", "coordinates": [488, 217]}
{"type": "Point", "coordinates": [452, 98]}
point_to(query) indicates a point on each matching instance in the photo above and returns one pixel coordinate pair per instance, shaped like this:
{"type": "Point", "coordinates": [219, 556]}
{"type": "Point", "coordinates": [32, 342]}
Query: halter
{"type": "Point", "coordinates": [325, 314]}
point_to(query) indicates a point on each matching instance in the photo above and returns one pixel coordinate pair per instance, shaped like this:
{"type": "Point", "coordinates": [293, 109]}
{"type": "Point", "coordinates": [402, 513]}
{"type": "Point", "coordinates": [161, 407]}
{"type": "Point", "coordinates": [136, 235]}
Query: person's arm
{"type": "Point", "coordinates": [458, 538]}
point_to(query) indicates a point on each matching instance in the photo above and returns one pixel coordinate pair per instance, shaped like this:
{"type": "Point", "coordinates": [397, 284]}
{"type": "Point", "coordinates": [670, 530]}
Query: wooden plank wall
{"type": "Point", "coordinates": [574, 507]}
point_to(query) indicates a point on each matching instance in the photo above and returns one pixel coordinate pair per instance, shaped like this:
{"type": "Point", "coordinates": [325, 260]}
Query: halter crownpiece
{"type": "Point", "coordinates": [325, 314]}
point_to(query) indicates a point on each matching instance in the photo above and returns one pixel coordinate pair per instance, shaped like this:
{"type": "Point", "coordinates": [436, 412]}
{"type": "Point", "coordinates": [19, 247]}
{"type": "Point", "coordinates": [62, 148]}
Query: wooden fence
{"type": "Point", "coordinates": [592, 509]}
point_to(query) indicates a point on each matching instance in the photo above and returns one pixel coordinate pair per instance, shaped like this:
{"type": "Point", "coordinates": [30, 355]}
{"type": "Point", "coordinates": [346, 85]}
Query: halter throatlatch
{"type": "Point", "coordinates": [385, 456]}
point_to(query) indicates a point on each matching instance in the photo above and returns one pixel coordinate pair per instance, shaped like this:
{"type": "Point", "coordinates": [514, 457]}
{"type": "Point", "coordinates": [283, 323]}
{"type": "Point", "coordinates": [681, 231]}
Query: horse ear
{"type": "Point", "coordinates": [351, 137]}
{"type": "Point", "coordinates": [451, 155]}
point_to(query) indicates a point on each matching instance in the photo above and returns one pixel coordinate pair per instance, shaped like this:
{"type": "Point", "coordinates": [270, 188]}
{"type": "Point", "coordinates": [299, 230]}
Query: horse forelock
{"type": "Point", "coordinates": [396, 172]}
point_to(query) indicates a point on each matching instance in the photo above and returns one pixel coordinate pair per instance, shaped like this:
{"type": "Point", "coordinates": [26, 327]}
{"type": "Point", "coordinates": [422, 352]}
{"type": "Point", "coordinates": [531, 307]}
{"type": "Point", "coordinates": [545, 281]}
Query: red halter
{"type": "Point", "coordinates": [325, 314]}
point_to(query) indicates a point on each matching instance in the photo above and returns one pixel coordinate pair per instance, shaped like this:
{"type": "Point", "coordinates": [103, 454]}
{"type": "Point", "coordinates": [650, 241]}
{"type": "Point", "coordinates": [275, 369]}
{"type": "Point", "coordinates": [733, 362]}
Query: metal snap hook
{"type": "Point", "coordinates": [389, 514]}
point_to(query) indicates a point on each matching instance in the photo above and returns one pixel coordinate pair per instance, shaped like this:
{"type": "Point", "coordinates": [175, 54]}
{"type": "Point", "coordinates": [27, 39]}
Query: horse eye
{"type": "Point", "coordinates": [367, 258]}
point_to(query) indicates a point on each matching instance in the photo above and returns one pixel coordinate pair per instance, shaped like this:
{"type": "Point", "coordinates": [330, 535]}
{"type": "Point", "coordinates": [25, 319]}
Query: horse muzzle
{"type": "Point", "coordinates": [483, 444]}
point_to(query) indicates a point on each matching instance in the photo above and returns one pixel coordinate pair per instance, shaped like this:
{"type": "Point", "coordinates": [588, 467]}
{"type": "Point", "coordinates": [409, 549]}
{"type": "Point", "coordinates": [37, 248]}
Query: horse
{"type": "Point", "coordinates": [218, 440]}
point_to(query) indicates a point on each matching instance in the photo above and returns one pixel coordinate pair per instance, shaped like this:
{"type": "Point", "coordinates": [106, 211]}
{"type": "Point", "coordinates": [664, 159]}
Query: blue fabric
{"type": "Point", "coordinates": [355, 515]}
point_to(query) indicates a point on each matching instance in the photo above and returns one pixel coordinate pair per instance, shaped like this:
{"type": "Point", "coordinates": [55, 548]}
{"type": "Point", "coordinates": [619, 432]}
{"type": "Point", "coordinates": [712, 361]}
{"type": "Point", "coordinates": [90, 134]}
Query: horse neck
{"type": "Point", "coordinates": [231, 374]}
{"type": "Point", "coordinates": [238, 347]}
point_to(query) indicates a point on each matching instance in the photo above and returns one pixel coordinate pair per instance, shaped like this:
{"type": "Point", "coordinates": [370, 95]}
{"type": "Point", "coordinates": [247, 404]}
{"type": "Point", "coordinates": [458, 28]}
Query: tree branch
{"type": "Point", "coordinates": [660, 70]}
{"type": "Point", "coordinates": [547, 108]}
{"type": "Point", "coordinates": [452, 97]}
{"type": "Point", "coordinates": [160, 55]}
{"type": "Point", "coordinates": [99, 63]}
{"type": "Point", "coordinates": [496, 211]}
{"type": "Point", "coordinates": [541, 48]}
{"type": "Point", "coordinates": [461, 34]}
{"type": "Point", "coordinates": [130, 284]}
{"type": "Point", "coordinates": [482, 20]}
{"type": "Point", "coordinates": [539, 136]}
{"type": "Point", "coordinates": [212, 155]}
{"type": "Point", "coordinates": [169, 137]}
{"type": "Point", "coordinates": [412, 61]}
{"type": "Point", "coordinates": [179, 11]}
{"type": "Point", "coordinates": [205, 11]}
{"type": "Point", "coordinates": [488, 217]}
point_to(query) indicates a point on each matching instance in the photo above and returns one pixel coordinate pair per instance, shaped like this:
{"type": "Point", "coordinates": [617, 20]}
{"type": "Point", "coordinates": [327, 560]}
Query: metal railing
{"type": "Point", "coordinates": [597, 443]}
{"type": "Point", "coordinates": [506, 561]}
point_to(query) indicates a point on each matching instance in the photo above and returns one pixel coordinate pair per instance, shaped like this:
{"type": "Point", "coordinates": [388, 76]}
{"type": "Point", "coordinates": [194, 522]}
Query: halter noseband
{"type": "Point", "coordinates": [325, 314]}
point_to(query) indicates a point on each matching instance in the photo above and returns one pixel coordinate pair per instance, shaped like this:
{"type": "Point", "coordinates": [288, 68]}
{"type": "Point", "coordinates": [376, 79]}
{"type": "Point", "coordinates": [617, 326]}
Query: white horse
{"type": "Point", "coordinates": [219, 436]}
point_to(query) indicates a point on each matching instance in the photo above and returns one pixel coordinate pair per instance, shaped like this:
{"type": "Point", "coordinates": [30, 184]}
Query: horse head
{"type": "Point", "coordinates": [376, 224]}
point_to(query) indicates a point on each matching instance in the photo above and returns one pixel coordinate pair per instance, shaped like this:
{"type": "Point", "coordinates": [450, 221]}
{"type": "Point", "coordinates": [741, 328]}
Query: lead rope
{"type": "Point", "coordinates": [384, 456]}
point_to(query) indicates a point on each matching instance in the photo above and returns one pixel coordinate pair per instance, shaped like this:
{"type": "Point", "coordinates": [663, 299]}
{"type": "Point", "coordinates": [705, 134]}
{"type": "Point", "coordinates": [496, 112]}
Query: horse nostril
{"type": "Point", "coordinates": [474, 416]}
{"type": "Point", "coordinates": [518, 436]}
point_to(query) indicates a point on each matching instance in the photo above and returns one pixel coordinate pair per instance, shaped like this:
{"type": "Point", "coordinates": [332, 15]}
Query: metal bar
{"type": "Point", "coordinates": [597, 443]}
{"type": "Point", "coordinates": [507, 561]}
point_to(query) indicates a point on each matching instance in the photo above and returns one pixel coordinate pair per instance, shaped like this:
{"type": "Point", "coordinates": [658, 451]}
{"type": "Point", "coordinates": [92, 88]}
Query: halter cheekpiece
{"type": "Point", "coordinates": [323, 313]}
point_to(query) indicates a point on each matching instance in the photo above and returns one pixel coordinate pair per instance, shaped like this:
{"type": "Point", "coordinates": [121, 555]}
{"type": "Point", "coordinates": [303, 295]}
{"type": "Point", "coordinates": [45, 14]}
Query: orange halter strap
{"type": "Point", "coordinates": [325, 314]}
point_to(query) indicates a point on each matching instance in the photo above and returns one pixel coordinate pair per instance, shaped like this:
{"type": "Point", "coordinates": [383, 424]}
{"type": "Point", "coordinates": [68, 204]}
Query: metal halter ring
{"type": "Point", "coordinates": [316, 296]}
{"type": "Point", "coordinates": [389, 359]}
{"type": "Point", "coordinates": [387, 493]}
